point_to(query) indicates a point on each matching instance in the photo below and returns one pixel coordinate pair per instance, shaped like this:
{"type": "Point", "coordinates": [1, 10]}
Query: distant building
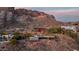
{"type": "Point", "coordinates": [69, 28]}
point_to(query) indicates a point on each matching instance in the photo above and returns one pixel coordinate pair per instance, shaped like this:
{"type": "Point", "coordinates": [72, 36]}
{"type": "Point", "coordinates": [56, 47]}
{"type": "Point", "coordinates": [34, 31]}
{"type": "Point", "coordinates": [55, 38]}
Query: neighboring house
{"type": "Point", "coordinates": [6, 37]}
{"type": "Point", "coordinates": [41, 37]}
{"type": "Point", "coordinates": [34, 38]}
{"type": "Point", "coordinates": [69, 28]}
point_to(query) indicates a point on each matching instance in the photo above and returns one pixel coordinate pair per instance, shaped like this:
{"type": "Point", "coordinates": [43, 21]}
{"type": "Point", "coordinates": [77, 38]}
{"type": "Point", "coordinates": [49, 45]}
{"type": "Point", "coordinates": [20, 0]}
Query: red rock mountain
{"type": "Point", "coordinates": [12, 18]}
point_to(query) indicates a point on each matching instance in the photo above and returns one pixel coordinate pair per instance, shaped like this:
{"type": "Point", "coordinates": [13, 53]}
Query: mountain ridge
{"type": "Point", "coordinates": [13, 18]}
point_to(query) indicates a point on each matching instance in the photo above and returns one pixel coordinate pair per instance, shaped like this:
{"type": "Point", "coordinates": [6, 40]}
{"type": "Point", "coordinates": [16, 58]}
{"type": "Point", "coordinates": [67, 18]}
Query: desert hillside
{"type": "Point", "coordinates": [23, 18]}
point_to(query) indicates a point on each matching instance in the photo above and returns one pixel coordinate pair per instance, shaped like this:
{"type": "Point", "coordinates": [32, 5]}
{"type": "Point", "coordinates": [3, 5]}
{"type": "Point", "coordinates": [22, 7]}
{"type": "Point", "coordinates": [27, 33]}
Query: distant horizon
{"type": "Point", "coordinates": [64, 14]}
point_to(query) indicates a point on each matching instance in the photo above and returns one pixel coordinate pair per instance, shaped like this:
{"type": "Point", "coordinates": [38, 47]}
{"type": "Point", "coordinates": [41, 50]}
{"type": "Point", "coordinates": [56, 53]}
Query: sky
{"type": "Point", "coordinates": [65, 14]}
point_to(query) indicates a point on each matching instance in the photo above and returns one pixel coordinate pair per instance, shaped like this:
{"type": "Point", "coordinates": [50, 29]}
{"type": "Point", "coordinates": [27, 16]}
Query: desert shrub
{"type": "Point", "coordinates": [13, 42]}
{"type": "Point", "coordinates": [4, 33]}
{"type": "Point", "coordinates": [16, 33]}
{"type": "Point", "coordinates": [55, 30]}
{"type": "Point", "coordinates": [29, 35]}
{"type": "Point", "coordinates": [73, 35]}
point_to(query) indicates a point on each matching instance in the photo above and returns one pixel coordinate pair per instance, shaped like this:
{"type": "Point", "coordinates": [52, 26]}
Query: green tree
{"type": "Point", "coordinates": [17, 36]}
{"type": "Point", "coordinates": [55, 30]}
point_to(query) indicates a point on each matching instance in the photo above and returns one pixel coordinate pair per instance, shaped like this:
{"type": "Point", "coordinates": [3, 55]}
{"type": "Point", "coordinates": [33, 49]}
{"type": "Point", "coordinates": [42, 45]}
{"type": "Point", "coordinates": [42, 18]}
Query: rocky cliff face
{"type": "Point", "coordinates": [6, 15]}
{"type": "Point", "coordinates": [11, 18]}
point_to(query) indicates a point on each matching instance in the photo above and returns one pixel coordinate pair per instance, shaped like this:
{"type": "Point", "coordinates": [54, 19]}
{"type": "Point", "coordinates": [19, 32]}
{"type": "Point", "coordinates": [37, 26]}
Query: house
{"type": "Point", "coordinates": [69, 28]}
{"type": "Point", "coordinates": [46, 37]}
{"type": "Point", "coordinates": [40, 30]}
